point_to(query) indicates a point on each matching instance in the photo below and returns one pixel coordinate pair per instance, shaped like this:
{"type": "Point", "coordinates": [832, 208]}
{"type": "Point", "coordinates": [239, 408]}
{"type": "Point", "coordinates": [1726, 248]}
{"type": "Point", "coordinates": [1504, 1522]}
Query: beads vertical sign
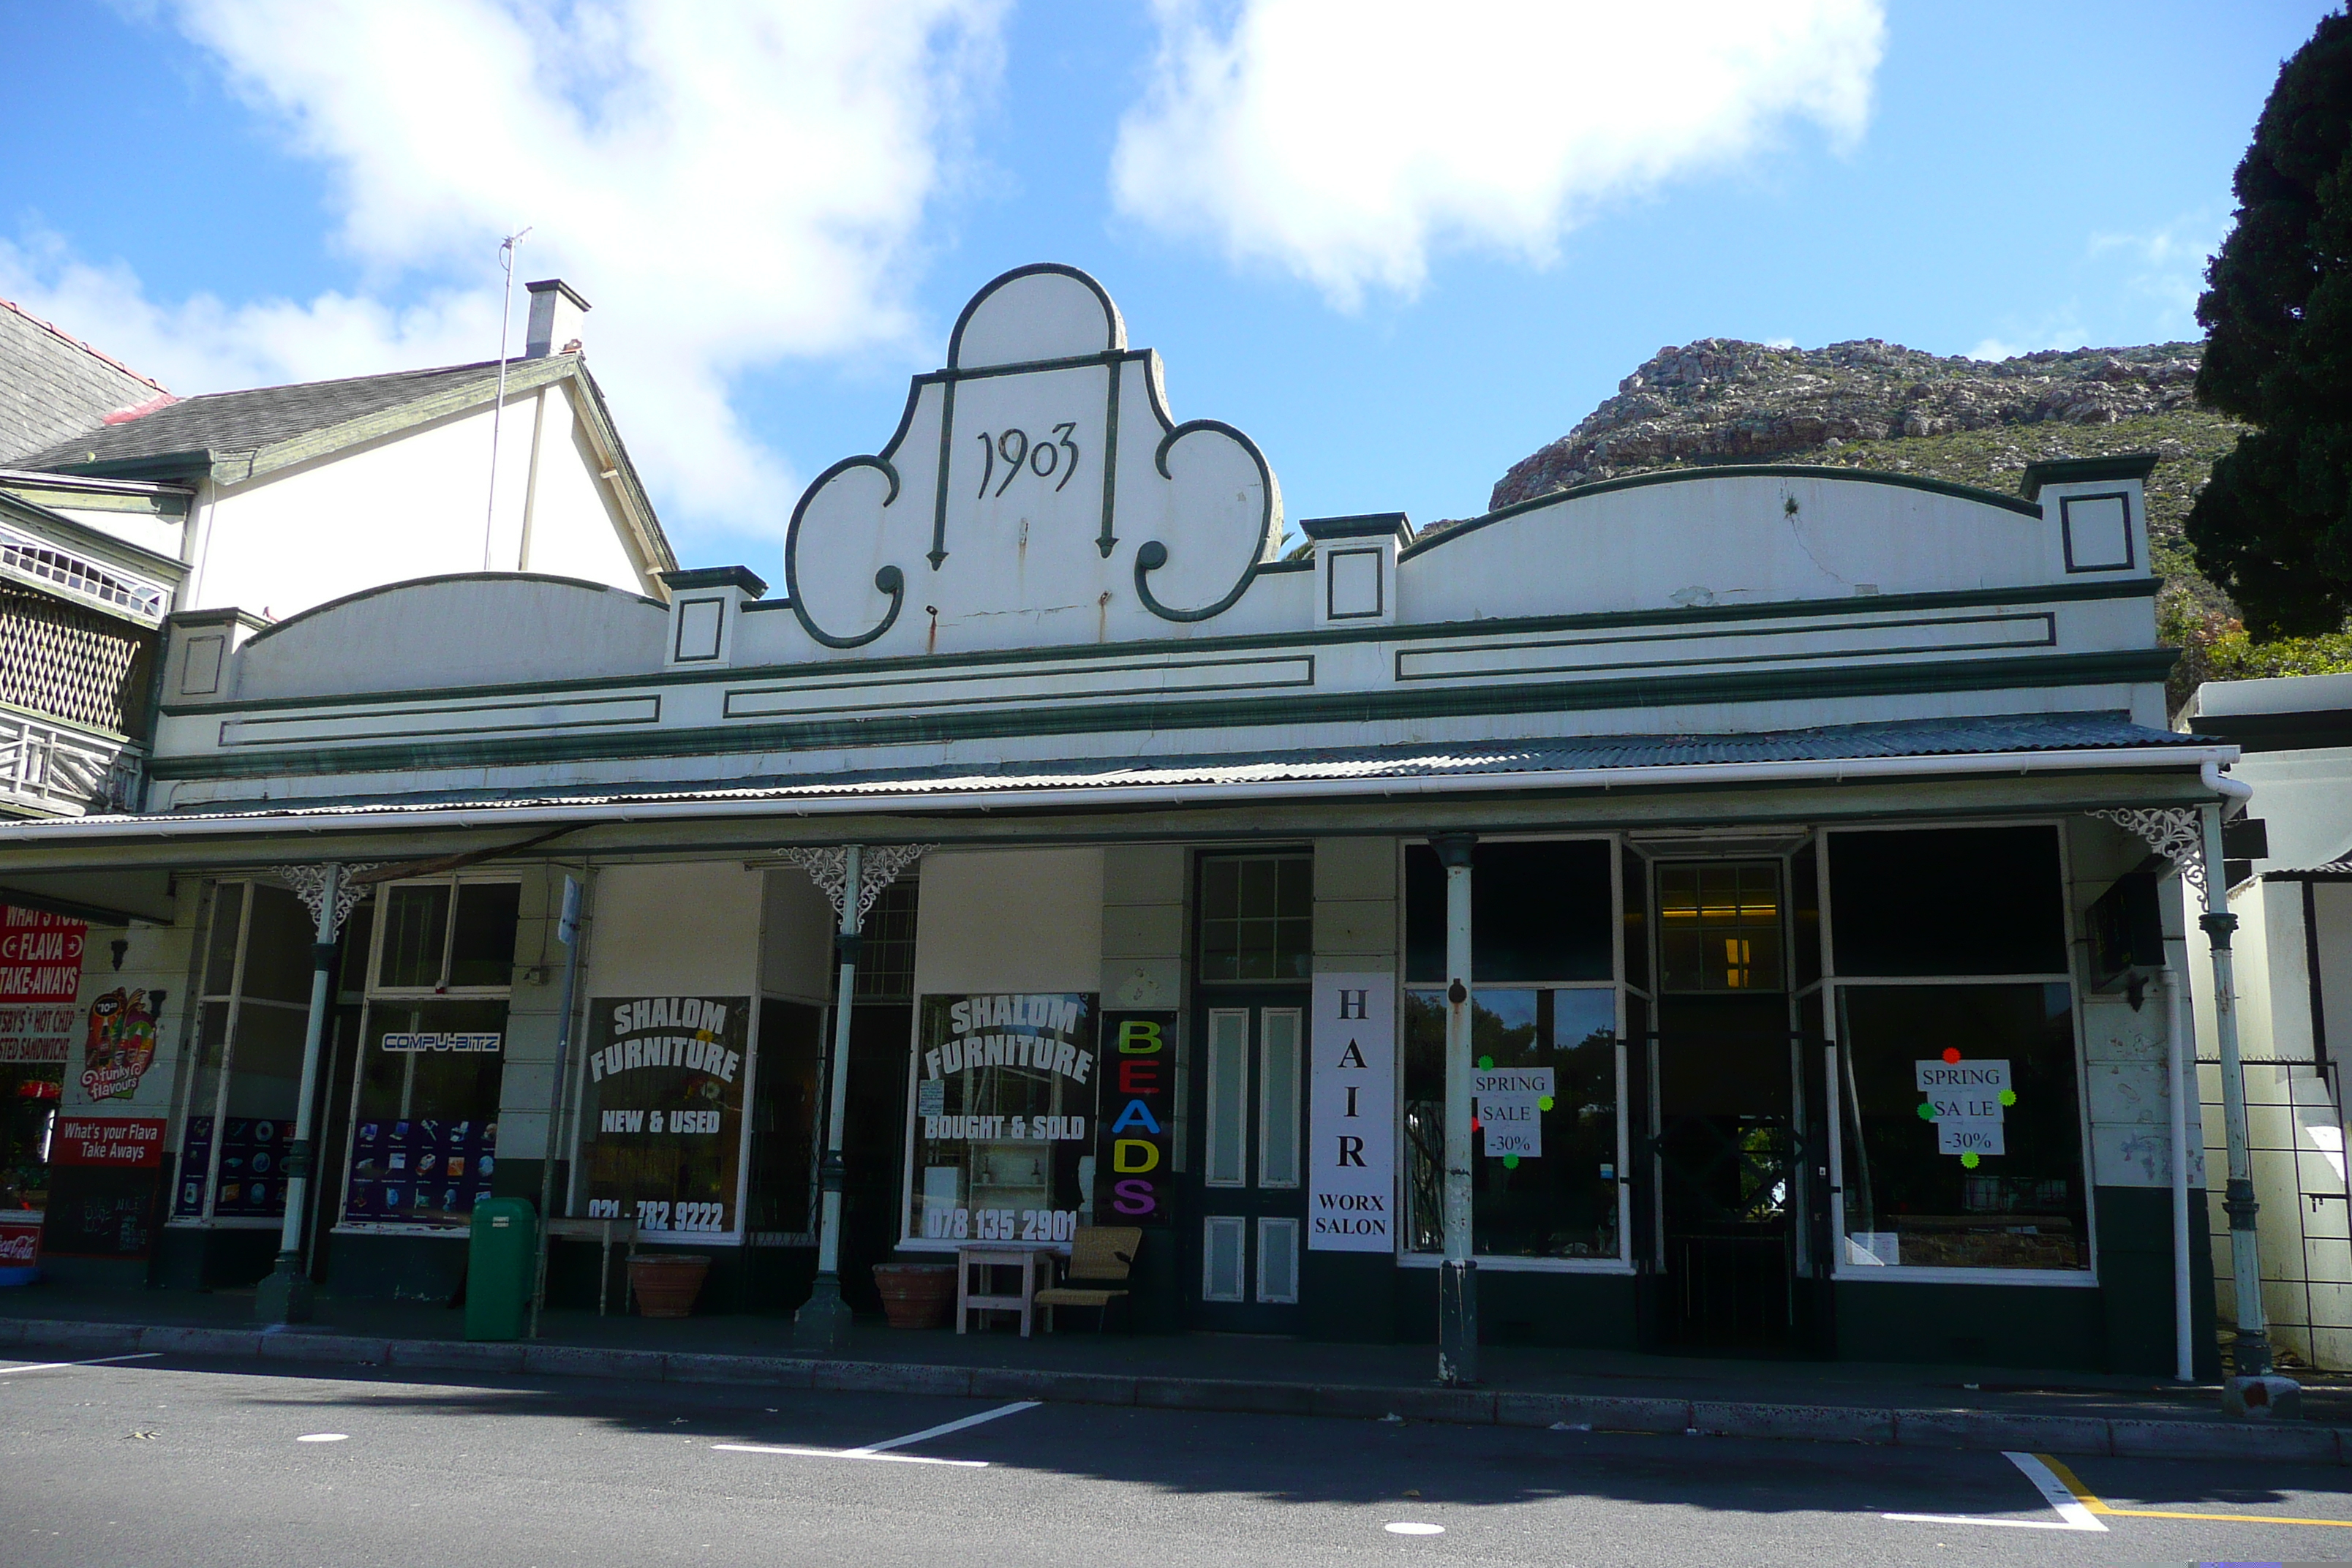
{"type": "Point", "coordinates": [1134, 1180]}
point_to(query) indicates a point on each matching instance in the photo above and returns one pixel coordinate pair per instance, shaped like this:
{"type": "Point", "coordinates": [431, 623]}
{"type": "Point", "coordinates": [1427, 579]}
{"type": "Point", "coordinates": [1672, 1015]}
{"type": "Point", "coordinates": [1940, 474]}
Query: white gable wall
{"type": "Point", "coordinates": [412, 505]}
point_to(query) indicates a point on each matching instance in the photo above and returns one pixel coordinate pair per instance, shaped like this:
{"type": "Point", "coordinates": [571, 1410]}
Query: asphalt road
{"type": "Point", "coordinates": [185, 1462]}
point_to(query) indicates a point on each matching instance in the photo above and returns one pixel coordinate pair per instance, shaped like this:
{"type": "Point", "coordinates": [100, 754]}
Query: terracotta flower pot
{"type": "Point", "coordinates": [917, 1295]}
{"type": "Point", "coordinates": [666, 1283]}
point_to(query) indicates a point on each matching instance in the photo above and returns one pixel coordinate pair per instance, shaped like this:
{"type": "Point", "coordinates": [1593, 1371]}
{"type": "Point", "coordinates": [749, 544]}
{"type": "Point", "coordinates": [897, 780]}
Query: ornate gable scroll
{"type": "Point", "coordinates": [1037, 493]}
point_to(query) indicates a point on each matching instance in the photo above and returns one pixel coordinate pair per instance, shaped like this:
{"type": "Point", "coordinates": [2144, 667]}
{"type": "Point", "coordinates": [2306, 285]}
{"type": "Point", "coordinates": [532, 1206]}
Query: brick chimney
{"type": "Point", "coordinates": [556, 313]}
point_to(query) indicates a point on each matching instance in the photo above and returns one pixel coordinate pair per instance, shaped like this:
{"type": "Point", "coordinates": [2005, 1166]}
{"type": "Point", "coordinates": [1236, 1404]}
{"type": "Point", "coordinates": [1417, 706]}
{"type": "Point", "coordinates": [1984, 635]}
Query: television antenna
{"type": "Point", "coordinates": [498, 409]}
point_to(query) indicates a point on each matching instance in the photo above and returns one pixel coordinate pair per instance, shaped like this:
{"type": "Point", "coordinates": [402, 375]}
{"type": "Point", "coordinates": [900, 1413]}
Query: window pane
{"type": "Point", "coordinates": [1952, 900]}
{"type": "Point", "coordinates": [886, 959]}
{"type": "Point", "coordinates": [784, 1117]}
{"type": "Point", "coordinates": [264, 1082]}
{"type": "Point", "coordinates": [1561, 1202]}
{"type": "Point", "coordinates": [1005, 1101]}
{"type": "Point", "coordinates": [204, 1093]}
{"type": "Point", "coordinates": [1912, 1197]}
{"type": "Point", "coordinates": [1257, 916]}
{"type": "Point", "coordinates": [481, 948]}
{"type": "Point", "coordinates": [220, 943]}
{"type": "Point", "coordinates": [1721, 926]}
{"type": "Point", "coordinates": [277, 947]}
{"type": "Point", "coordinates": [1278, 1098]}
{"type": "Point", "coordinates": [424, 1141]}
{"type": "Point", "coordinates": [1633, 876]}
{"type": "Point", "coordinates": [1228, 1119]}
{"type": "Point", "coordinates": [416, 921]}
{"type": "Point", "coordinates": [1537, 912]}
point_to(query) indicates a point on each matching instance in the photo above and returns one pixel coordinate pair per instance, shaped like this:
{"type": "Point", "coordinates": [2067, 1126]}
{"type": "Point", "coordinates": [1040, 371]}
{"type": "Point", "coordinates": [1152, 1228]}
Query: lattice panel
{"type": "Point", "coordinates": [71, 663]}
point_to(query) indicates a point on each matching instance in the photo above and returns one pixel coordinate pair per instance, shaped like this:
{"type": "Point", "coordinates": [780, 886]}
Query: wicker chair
{"type": "Point", "coordinates": [1100, 1258]}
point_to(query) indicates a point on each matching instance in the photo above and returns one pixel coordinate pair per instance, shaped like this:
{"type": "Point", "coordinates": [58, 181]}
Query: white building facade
{"type": "Point", "coordinates": [1784, 797]}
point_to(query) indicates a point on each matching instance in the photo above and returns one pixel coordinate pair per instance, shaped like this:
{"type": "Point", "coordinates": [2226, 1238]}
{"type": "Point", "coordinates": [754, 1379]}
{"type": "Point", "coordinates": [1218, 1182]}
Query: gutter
{"type": "Point", "coordinates": [2208, 759]}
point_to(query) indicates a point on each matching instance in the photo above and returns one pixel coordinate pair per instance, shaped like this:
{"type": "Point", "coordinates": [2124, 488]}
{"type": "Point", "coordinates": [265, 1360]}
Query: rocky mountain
{"type": "Point", "coordinates": [1873, 405]}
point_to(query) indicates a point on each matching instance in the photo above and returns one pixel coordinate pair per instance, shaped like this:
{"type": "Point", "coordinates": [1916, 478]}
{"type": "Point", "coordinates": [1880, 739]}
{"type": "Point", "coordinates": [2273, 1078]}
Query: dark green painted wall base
{"type": "Point", "coordinates": [190, 1259]}
{"type": "Point", "coordinates": [1582, 1311]}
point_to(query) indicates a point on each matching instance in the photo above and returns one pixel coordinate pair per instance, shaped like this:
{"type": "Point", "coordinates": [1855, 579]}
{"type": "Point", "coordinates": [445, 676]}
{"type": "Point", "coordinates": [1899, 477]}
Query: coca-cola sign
{"type": "Point", "coordinates": [20, 1241]}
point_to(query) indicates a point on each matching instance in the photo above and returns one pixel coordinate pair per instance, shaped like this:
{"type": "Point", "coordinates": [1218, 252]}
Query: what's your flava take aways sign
{"type": "Point", "coordinates": [661, 1112]}
{"type": "Point", "coordinates": [1005, 1088]}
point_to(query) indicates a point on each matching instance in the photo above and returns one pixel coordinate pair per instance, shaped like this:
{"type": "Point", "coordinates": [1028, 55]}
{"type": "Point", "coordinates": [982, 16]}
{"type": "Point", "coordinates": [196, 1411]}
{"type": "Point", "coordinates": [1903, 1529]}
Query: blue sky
{"type": "Point", "coordinates": [1400, 257]}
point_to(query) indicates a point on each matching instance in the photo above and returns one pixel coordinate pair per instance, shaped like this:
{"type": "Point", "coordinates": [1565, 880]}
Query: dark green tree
{"type": "Point", "coordinates": [2274, 526]}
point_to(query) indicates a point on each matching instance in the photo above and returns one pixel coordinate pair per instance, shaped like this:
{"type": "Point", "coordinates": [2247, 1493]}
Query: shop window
{"type": "Point", "coordinates": [1962, 1132]}
{"type": "Point", "coordinates": [1719, 927]}
{"type": "Point", "coordinates": [1005, 1088]}
{"type": "Point", "coordinates": [425, 1104]}
{"type": "Point", "coordinates": [252, 1015]}
{"type": "Point", "coordinates": [1539, 910]}
{"type": "Point", "coordinates": [1947, 901]}
{"type": "Point", "coordinates": [1257, 916]}
{"type": "Point", "coordinates": [785, 1118]}
{"type": "Point", "coordinates": [1545, 1137]}
{"type": "Point", "coordinates": [661, 1110]}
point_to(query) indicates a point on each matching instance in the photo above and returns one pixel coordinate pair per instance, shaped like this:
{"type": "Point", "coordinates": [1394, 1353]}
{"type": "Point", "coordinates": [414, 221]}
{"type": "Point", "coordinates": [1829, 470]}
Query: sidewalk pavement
{"type": "Point", "coordinates": [1908, 1406]}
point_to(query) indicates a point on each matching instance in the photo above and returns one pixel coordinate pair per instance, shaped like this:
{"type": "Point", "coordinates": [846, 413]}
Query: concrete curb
{"type": "Point", "coordinates": [2293, 1443]}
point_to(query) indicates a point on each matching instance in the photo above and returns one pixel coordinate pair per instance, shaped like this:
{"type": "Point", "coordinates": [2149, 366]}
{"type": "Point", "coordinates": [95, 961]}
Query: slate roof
{"type": "Point", "coordinates": [1231, 775]}
{"type": "Point", "coordinates": [52, 385]}
{"type": "Point", "coordinates": [226, 423]}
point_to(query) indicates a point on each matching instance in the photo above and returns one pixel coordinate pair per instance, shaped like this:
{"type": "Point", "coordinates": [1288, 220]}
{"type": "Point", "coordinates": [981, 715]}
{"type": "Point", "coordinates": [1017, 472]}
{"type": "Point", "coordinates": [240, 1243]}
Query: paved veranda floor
{"type": "Point", "coordinates": [1252, 1358]}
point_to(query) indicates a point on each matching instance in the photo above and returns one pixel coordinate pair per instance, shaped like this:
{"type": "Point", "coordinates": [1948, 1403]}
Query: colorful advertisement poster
{"type": "Point", "coordinates": [661, 1114]}
{"type": "Point", "coordinates": [41, 976]}
{"type": "Point", "coordinates": [1352, 1123]}
{"type": "Point", "coordinates": [118, 1043]}
{"type": "Point", "coordinates": [1005, 1088]}
{"type": "Point", "coordinates": [416, 1170]}
{"type": "Point", "coordinates": [1134, 1156]}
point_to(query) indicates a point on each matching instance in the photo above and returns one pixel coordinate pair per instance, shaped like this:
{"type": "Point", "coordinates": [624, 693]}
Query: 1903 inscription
{"type": "Point", "coordinates": [1041, 458]}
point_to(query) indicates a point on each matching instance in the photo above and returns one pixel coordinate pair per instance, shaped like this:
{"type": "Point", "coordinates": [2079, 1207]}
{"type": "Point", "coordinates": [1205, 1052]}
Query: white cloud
{"type": "Point", "coordinates": [1344, 142]}
{"type": "Point", "coordinates": [2165, 265]}
{"type": "Point", "coordinates": [729, 184]}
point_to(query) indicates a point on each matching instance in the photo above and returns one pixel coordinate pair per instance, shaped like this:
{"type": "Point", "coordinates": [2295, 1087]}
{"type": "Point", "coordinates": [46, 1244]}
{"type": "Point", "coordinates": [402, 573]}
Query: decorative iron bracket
{"type": "Point", "coordinates": [309, 885]}
{"type": "Point", "coordinates": [879, 866]}
{"type": "Point", "coordinates": [2174, 832]}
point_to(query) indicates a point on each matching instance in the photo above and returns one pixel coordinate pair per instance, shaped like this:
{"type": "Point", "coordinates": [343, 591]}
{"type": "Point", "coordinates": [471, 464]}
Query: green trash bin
{"type": "Point", "coordinates": [501, 1255]}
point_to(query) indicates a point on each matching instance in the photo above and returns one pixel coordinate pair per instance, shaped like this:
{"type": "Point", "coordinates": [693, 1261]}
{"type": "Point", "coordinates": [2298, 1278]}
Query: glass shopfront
{"type": "Point", "coordinates": [424, 1101]}
{"type": "Point", "coordinates": [1963, 1120]}
{"type": "Point", "coordinates": [1549, 1124]}
{"type": "Point", "coordinates": [253, 1005]}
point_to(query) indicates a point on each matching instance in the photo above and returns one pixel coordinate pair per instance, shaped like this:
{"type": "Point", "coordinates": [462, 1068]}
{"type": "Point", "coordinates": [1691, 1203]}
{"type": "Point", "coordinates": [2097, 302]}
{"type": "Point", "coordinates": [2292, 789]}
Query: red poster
{"type": "Point", "coordinates": [132, 1141]}
{"type": "Point", "coordinates": [20, 1242]}
{"type": "Point", "coordinates": [40, 974]}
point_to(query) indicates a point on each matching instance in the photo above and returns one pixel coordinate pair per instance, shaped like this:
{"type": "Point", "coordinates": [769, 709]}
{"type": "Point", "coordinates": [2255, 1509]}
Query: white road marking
{"type": "Point", "coordinates": [1405, 1527]}
{"type": "Point", "coordinates": [324, 1437]}
{"type": "Point", "coordinates": [94, 1361]}
{"type": "Point", "coordinates": [882, 1450]}
{"type": "Point", "coordinates": [2053, 1492]}
{"type": "Point", "coordinates": [847, 1454]}
{"type": "Point", "coordinates": [944, 1428]}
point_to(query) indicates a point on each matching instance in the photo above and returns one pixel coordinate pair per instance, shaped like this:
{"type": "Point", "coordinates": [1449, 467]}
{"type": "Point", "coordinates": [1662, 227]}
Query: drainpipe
{"type": "Point", "coordinates": [2178, 1040]}
{"type": "Point", "coordinates": [1457, 1279]}
{"type": "Point", "coordinates": [2251, 1358]}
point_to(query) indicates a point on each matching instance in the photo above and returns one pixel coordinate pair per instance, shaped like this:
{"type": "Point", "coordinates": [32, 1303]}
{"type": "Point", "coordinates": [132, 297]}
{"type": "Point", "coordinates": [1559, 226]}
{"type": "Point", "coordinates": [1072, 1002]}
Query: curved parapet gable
{"type": "Point", "coordinates": [1721, 538]}
{"type": "Point", "coordinates": [1037, 492]}
{"type": "Point", "coordinates": [474, 629]}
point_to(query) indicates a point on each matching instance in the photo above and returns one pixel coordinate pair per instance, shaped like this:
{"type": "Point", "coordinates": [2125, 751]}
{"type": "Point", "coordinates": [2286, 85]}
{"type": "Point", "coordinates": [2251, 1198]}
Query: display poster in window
{"type": "Point", "coordinates": [1135, 1148]}
{"type": "Point", "coordinates": [117, 1043]}
{"type": "Point", "coordinates": [1507, 1106]}
{"type": "Point", "coordinates": [1965, 1099]}
{"type": "Point", "coordinates": [1352, 1123]}
{"type": "Point", "coordinates": [417, 1170]}
{"type": "Point", "coordinates": [40, 978]}
{"type": "Point", "coordinates": [1005, 1091]}
{"type": "Point", "coordinates": [661, 1112]}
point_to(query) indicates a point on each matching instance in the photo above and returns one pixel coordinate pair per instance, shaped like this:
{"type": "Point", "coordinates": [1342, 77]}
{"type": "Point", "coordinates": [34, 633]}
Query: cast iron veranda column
{"type": "Point", "coordinates": [285, 1297]}
{"type": "Point", "coordinates": [2252, 1357]}
{"type": "Point", "coordinates": [1457, 1277]}
{"type": "Point", "coordinates": [823, 1321]}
